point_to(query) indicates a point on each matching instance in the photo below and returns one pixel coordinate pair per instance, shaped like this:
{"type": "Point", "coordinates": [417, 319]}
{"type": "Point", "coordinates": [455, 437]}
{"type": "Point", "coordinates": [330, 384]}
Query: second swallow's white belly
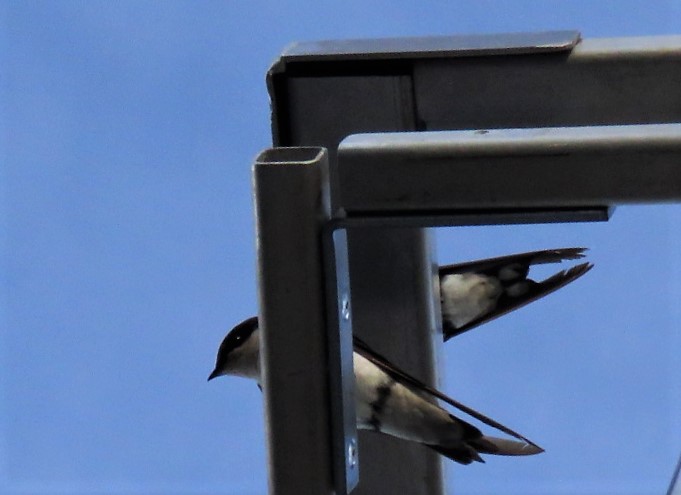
{"type": "Point", "coordinates": [466, 296]}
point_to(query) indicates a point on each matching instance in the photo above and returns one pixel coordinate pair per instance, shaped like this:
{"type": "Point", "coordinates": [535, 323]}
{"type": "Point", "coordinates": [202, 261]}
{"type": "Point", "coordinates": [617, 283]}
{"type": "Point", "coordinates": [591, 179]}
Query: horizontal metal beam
{"type": "Point", "coordinates": [429, 46]}
{"type": "Point", "coordinates": [509, 170]}
{"type": "Point", "coordinates": [601, 81]}
{"type": "Point", "coordinates": [324, 91]}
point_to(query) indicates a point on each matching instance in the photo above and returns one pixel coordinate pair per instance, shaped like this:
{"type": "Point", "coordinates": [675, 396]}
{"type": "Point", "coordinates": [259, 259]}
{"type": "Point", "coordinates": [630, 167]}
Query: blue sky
{"type": "Point", "coordinates": [127, 251]}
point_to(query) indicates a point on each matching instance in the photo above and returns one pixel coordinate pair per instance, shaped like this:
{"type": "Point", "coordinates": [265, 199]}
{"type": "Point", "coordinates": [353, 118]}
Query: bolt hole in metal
{"type": "Point", "coordinates": [352, 453]}
{"type": "Point", "coordinates": [345, 307]}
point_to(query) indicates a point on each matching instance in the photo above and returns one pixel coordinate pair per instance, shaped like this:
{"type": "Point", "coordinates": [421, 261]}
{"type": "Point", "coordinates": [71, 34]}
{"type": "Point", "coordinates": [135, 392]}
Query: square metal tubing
{"type": "Point", "coordinates": [306, 362]}
{"type": "Point", "coordinates": [509, 170]}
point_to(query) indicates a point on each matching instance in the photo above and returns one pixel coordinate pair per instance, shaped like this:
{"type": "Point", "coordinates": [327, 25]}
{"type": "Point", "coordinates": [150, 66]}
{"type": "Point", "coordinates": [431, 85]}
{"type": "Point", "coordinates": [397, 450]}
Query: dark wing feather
{"type": "Point", "coordinates": [529, 258]}
{"type": "Point", "coordinates": [362, 348]}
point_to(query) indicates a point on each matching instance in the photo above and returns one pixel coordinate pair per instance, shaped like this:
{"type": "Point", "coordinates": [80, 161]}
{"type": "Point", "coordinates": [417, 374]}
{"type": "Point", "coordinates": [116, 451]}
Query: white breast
{"type": "Point", "coordinates": [467, 296]}
{"type": "Point", "coordinates": [404, 413]}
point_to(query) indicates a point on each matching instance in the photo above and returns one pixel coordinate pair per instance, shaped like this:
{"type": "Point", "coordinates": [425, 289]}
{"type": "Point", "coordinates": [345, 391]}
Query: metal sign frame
{"type": "Point", "coordinates": [535, 128]}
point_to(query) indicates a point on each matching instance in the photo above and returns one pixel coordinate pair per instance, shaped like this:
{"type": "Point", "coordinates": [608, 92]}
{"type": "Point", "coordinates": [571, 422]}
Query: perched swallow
{"type": "Point", "coordinates": [476, 292]}
{"type": "Point", "coordinates": [388, 400]}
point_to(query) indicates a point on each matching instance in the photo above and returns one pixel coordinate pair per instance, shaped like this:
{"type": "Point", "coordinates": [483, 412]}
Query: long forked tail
{"type": "Point", "coordinates": [503, 446]}
{"type": "Point", "coordinates": [472, 443]}
{"type": "Point", "coordinates": [470, 451]}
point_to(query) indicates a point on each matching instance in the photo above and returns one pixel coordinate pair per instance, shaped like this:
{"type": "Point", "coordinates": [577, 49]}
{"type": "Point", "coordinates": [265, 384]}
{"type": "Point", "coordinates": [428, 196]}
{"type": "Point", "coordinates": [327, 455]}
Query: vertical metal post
{"type": "Point", "coordinates": [291, 212]}
{"type": "Point", "coordinates": [395, 297]}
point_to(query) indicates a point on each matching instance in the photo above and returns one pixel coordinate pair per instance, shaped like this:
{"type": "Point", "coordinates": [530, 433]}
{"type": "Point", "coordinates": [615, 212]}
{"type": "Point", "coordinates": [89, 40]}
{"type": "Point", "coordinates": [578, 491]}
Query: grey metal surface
{"type": "Point", "coordinates": [518, 168]}
{"type": "Point", "coordinates": [432, 46]}
{"type": "Point", "coordinates": [458, 218]}
{"type": "Point", "coordinates": [596, 82]}
{"type": "Point", "coordinates": [601, 81]}
{"type": "Point", "coordinates": [394, 302]}
{"type": "Point", "coordinates": [326, 109]}
{"type": "Point", "coordinates": [291, 210]}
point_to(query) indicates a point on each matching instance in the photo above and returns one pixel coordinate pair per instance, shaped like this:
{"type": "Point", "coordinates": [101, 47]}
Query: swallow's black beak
{"type": "Point", "coordinates": [214, 374]}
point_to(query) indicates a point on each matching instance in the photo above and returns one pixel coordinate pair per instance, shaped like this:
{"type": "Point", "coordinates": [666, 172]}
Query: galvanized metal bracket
{"type": "Point", "coordinates": [340, 354]}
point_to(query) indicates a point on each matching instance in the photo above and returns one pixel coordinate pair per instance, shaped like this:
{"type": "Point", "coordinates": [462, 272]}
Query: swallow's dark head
{"type": "Point", "coordinates": [239, 352]}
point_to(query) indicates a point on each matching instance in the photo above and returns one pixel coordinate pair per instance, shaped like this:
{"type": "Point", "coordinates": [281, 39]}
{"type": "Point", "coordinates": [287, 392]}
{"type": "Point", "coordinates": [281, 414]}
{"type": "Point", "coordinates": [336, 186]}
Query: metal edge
{"type": "Point", "coordinates": [432, 46]}
{"type": "Point", "coordinates": [346, 470]}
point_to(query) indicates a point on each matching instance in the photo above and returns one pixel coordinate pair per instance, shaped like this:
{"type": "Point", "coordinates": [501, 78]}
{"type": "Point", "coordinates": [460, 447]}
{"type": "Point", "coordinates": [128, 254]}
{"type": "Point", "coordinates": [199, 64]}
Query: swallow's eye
{"type": "Point", "coordinates": [242, 332]}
